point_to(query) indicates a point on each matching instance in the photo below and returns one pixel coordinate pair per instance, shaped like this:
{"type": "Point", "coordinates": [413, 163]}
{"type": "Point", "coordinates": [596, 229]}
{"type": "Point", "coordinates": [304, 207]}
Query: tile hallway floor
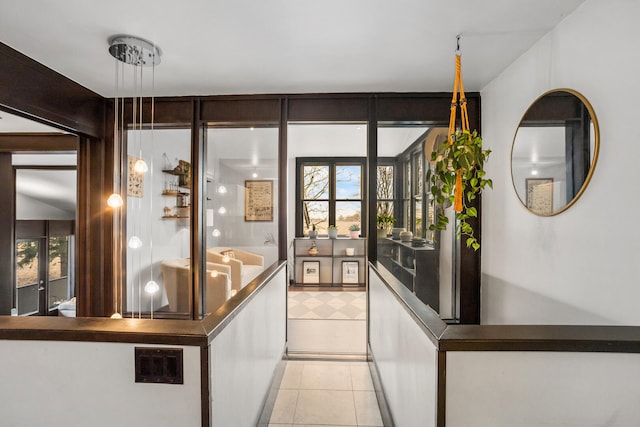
{"type": "Point", "coordinates": [326, 393]}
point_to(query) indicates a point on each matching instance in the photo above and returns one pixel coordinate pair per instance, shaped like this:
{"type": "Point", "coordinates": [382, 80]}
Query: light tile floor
{"type": "Point", "coordinates": [328, 305]}
{"type": "Point", "coordinates": [327, 394]}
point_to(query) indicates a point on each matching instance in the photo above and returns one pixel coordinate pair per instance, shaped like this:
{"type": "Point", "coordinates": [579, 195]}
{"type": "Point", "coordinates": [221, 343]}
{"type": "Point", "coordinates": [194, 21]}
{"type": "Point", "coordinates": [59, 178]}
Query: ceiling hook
{"type": "Point", "coordinates": [458, 43]}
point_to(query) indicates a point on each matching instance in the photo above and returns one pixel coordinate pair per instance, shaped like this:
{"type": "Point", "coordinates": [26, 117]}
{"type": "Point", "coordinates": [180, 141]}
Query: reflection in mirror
{"type": "Point", "coordinates": [554, 152]}
{"type": "Point", "coordinates": [241, 208]}
{"type": "Point", "coordinates": [425, 263]}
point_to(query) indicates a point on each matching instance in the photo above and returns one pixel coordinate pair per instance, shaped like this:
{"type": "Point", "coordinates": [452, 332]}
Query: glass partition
{"type": "Point", "coordinates": [241, 207]}
{"type": "Point", "coordinates": [158, 189]}
{"type": "Point", "coordinates": [421, 259]}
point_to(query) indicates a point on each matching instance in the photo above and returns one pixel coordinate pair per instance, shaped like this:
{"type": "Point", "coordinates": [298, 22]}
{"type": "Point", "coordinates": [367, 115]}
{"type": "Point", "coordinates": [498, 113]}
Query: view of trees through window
{"type": "Point", "coordinates": [331, 195]}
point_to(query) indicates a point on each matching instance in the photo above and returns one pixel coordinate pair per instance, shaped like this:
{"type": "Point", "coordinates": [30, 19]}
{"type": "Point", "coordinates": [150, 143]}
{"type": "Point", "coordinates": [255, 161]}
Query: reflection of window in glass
{"type": "Point", "coordinates": [27, 276]}
{"type": "Point", "coordinates": [58, 257]}
{"type": "Point", "coordinates": [59, 280]}
{"type": "Point", "coordinates": [417, 226]}
{"type": "Point", "coordinates": [27, 263]}
{"type": "Point", "coordinates": [385, 189]}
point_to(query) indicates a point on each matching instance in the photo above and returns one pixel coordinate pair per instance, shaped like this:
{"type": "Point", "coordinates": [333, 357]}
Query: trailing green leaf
{"type": "Point", "coordinates": [465, 154]}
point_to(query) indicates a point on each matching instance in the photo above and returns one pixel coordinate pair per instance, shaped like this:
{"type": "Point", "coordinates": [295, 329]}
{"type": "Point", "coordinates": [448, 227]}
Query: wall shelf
{"type": "Point", "coordinates": [331, 255]}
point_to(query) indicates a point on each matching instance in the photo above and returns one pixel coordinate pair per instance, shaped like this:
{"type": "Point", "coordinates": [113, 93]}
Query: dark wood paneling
{"type": "Point", "coordinates": [30, 229]}
{"type": "Point", "coordinates": [140, 331]}
{"type": "Point", "coordinates": [241, 110]}
{"type": "Point", "coordinates": [283, 176]}
{"type": "Point", "coordinates": [94, 236]}
{"type": "Point", "coordinates": [62, 228]}
{"type": "Point", "coordinates": [7, 248]}
{"type": "Point", "coordinates": [25, 142]}
{"type": "Point", "coordinates": [615, 339]}
{"type": "Point", "coordinates": [167, 112]}
{"type": "Point", "coordinates": [329, 108]}
{"type": "Point", "coordinates": [441, 398]}
{"type": "Point", "coordinates": [198, 206]}
{"type": "Point", "coordinates": [31, 89]}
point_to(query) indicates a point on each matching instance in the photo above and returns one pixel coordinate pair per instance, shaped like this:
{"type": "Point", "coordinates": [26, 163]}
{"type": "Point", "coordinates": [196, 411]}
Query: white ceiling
{"type": "Point", "coordinates": [212, 47]}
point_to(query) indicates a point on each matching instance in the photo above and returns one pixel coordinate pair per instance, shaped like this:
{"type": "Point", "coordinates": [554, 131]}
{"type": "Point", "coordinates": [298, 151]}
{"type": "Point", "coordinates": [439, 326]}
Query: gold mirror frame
{"type": "Point", "coordinates": [547, 96]}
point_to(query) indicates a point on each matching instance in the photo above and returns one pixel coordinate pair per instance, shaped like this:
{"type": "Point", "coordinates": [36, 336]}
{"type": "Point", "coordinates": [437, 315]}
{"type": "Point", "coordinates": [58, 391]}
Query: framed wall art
{"type": "Point", "coordinates": [349, 271]}
{"type": "Point", "coordinates": [135, 180]}
{"type": "Point", "coordinates": [311, 272]}
{"type": "Point", "coordinates": [258, 200]}
{"type": "Point", "coordinates": [540, 195]}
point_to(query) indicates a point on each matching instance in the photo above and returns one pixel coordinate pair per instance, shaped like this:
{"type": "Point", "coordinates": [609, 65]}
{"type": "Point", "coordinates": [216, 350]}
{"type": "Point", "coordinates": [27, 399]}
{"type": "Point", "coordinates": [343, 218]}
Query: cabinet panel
{"type": "Point", "coordinates": [416, 268]}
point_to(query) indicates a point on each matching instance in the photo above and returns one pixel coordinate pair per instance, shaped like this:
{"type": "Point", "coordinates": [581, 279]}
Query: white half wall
{"type": "Point", "coordinates": [91, 383]}
{"type": "Point", "coordinates": [579, 267]}
{"type": "Point", "coordinates": [532, 389]}
{"type": "Point", "coordinates": [244, 356]}
{"type": "Point", "coordinates": [406, 359]}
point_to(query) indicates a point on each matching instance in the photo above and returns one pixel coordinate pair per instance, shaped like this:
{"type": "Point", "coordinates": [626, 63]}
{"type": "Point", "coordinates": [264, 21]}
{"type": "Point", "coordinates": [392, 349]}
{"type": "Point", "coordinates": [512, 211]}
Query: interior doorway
{"type": "Point", "coordinates": [327, 300]}
{"type": "Point", "coordinates": [45, 216]}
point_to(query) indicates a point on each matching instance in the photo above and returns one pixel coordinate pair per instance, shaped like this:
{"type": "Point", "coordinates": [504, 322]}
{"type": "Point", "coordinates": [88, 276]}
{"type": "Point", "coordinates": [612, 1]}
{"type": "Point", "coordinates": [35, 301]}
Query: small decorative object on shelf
{"type": "Point", "coordinates": [313, 233]}
{"type": "Point", "coordinates": [354, 231]}
{"type": "Point", "coordinates": [384, 222]}
{"type": "Point", "coordinates": [313, 250]}
{"type": "Point", "coordinates": [167, 211]}
{"type": "Point", "coordinates": [418, 242]}
{"type": "Point", "coordinates": [333, 232]}
{"type": "Point", "coordinates": [395, 232]}
{"type": "Point", "coordinates": [406, 236]}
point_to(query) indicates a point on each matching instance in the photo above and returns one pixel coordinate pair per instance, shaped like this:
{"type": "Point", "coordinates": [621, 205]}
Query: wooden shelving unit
{"type": "Point", "coordinates": [331, 259]}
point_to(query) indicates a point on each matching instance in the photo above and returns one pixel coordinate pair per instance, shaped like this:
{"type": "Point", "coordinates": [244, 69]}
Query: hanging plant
{"type": "Point", "coordinates": [458, 167]}
{"type": "Point", "coordinates": [457, 176]}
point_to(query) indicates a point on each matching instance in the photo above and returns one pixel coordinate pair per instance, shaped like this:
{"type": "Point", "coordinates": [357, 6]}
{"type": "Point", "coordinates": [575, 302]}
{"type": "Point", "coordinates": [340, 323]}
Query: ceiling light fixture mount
{"type": "Point", "coordinates": [134, 51]}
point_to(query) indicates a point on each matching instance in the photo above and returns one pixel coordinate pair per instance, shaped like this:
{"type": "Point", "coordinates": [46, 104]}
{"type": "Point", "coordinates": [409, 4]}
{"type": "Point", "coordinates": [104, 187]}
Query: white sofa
{"type": "Point", "coordinates": [245, 265]}
{"type": "Point", "coordinates": [176, 277]}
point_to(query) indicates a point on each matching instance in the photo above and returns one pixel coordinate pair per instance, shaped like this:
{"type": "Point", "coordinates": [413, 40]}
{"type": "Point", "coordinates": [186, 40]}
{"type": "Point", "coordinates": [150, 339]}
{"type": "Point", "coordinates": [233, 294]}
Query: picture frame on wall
{"type": "Point", "coordinates": [135, 180]}
{"type": "Point", "coordinates": [540, 195]}
{"type": "Point", "coordinates": [258, 200]}
{"type": "Point", "coordinates": [350, 272]}
{"type": "Point", "coordinates": [311, 272]}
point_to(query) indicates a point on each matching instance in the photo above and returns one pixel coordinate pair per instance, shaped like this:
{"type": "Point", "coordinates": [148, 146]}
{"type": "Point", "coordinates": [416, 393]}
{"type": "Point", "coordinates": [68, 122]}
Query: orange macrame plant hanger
{"type": "Point", "coordinates": [458, 89]}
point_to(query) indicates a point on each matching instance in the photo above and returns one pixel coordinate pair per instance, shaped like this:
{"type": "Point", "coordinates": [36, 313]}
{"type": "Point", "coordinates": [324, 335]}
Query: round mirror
{"type": "Point", "coordinates": [554, 152]}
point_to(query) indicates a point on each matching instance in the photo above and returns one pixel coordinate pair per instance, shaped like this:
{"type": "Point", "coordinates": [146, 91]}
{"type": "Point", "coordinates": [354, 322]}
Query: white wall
{"type": "Point", "coordinates": [244, 356]}
{"type": "Point", "coordinates": [578, 267]}
{"type": "Point", "coordinates": [68, 383]}
{"type": "Point", "coordinates": [531, 389]}
{"type": "Point", "coordinates": [405, 357]}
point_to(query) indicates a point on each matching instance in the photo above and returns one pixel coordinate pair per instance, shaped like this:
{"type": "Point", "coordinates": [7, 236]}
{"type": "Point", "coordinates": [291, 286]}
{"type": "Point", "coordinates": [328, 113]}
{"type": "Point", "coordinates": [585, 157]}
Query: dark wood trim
{"type": "Point", "coordinates": [372, 184]}
{"type": "Point", "coordinates": [139, 331]}
{"type": "Point", "coordinates": [31, 90]}
{"type": "Point", "coordinates": [205, 387]}
{"type": "Point", "coordinates": [94, 229]}
{"type": "Point", "coordinates": [25, 142]}
{"type": "Point", "coordinates": [7, 234]}
{"type": "Point", "coordinates": [283, 171]}
{"type": "Point", "coordinates": [441, 397]}
{"type": "Point", "coordinates": [329, 108]}
{"type": "Point", "coordinates": [565, 338]}
{"type": "Point", "coordinates": [242, 110]}
{"type": "Point", "coordinates": [198, 204]}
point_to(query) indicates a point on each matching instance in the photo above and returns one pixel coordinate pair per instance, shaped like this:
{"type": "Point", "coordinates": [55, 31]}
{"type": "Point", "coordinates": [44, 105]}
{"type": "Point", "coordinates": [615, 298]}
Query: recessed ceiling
{"type": "Point", "coordinates": [282, 46]}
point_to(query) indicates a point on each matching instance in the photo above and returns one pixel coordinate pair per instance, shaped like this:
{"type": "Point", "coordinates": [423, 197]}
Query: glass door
{"type": "Point", "coordinates": [29, 277]}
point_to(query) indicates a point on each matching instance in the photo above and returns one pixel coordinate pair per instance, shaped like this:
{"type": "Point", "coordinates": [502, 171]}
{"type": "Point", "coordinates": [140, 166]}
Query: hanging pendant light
{"type": "Point", "coordinates": [138, 54]}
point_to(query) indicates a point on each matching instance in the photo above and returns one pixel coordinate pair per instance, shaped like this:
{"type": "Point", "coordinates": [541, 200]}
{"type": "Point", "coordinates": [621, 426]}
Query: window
{"type": "Point", "coordinates": [330, 192]}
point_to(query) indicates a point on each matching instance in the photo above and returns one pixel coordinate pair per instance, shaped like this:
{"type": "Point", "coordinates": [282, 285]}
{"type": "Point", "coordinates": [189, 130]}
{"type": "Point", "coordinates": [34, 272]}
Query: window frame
{"type": "Point", "coordinates": [332, 163]}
